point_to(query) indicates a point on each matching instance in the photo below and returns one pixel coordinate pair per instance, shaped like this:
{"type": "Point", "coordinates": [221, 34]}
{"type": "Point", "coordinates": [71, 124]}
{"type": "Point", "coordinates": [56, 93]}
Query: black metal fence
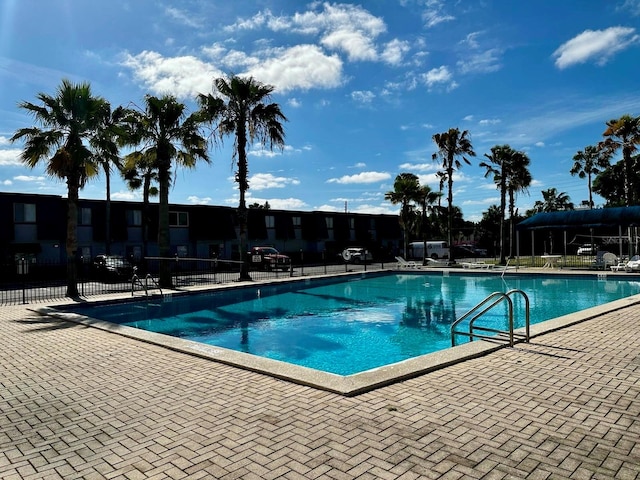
{"type": "Point", "coordinates": [27, 282]}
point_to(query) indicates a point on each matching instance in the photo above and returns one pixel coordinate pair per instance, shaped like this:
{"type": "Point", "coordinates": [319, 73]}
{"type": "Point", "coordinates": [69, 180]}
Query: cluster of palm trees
{"type": "Point", "coordinates": [77, 133]}
{"type": "Point", "coordinates": [509, 169]}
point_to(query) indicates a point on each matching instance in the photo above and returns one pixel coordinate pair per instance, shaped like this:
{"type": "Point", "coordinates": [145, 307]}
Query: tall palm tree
{"type": "Point", "coordinates": [588, 162]}
{"type": "Point", "coordinates": [104, 144]}
{"type": "Point", "coordinates": [67, 121]}
{"type": "Point", "coordinates": [519, 180]}
{"type": "Point", "coordinates": [164, 132]}
{"type": "Point", "coordinates": [405, 190]}
{"type": "Point", "coordinates": [240, 107]}
{"type": "Point", "coordinates": [624, 133]}
{"type": "Point", "coordinates": [426, 198]}
{"type": "Point", "coordinates": [453, 146]}
{"type": "Point", "coordinates": [497, 165]}
{"type": "Point", "coordinates": [139, 171]}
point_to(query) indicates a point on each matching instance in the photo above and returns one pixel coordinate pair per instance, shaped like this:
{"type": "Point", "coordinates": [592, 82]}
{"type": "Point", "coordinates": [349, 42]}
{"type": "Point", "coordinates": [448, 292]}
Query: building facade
{"type": "Point", "coordinates": [34, 227]}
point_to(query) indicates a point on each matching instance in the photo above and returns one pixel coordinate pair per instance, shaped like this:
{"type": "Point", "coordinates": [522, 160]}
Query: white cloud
{"type": "Point", "coordinates": [434, 14]}
{"type": "Point", "coordinates": [597, 45]}
{"type": "Point", "coordinates": [262, 181]}
{"type": "Point", "coordinates": [363, 177]}
{"type": "Point", "coordinates": [29, 178]}
{"type": "Point", "coordinates": [632, 6]}
{"type": "Point", "coordinates": [419, 167]}
{"type": "Point", "coordinates": [127, 195]}
{"type": "Point", "coordinates": [363, 96]}
{"type": "Point", "coordinates": [195, 200]}
{"type": "Point", "coordinates": [4, 141]}
{"type": "Point", "coordinates": [483, 62]}
{"type": "Point", "coordinates": [394, 52]}
{"type": "Point", "coordinates": [300, 67]}
{"type": "Point", "coordinates": [183, 18]}
{"type": "Point", "coordinates": [7, 182]}
{"type": "Point", "coordinates": [10, 157]}
{"type": "Point", "coordinates": [439, 76]}
{"type": "Point", "coordinates": [489, 121]}
{"type": "Point", "coordinates": [183, 77]}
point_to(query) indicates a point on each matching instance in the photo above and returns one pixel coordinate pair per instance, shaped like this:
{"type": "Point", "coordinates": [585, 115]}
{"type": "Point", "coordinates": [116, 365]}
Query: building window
{"type": "Point", "coordinates": [134, 218]}
{"type": "Point", "coordinates": [84, 216]}
{"type": "Point", "coordinates": [270, 221]}
{"type": "Point", "coordinates": [178, 219]}
{"type": "Point", "coordinates": [24, 212]}
{"type": "Point", "coordinates": [329, 222]}
{"type": "Point", "coordinates": [297, 223]}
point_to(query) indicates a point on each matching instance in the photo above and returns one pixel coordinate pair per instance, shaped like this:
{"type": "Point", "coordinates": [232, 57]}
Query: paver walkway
{"type": "Point", "coordinates": [77, 402]}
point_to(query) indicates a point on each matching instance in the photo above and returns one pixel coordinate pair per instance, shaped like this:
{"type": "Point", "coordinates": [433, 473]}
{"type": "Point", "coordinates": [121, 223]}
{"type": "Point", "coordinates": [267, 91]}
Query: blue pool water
{"type": "Point", "coordinates": [346, 327]}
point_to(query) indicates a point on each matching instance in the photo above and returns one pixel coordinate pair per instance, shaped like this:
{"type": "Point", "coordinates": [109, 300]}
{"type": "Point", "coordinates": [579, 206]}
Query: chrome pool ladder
{"type": "Point", "coordinates": [483, 307]}
{"type": "Point", "coordinates": [135, 280]}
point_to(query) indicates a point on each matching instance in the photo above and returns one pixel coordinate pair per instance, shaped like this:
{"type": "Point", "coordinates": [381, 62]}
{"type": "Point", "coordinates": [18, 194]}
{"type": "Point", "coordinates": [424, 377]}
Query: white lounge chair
{"type": "Point", "coordinates": [402, 263]}
{"type": "Point", "coordinates": [483, 265]}
{"type": "Point", "coordinates": [620, 267]}
{"type": "Point", "coordinates": [633, 265]}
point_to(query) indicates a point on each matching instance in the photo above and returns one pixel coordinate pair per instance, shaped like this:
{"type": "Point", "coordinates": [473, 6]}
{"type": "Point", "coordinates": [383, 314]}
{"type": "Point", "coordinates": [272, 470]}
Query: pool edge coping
{"type": "Point", "coordinates": [349, 385]}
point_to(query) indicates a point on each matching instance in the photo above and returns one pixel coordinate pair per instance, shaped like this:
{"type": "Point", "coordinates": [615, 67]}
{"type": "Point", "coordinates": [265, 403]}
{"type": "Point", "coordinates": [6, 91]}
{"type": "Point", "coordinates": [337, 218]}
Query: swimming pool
{"type": "Point", "coordinates": [350, 325]}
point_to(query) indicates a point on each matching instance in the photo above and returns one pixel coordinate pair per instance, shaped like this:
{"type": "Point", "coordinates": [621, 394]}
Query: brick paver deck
{"type": "Point", "coordinates": [77, 402]}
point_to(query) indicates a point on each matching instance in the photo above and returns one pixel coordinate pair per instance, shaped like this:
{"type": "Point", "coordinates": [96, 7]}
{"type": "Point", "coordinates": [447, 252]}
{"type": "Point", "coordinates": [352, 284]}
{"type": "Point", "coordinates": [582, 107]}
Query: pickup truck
{"type": "Point", "coordinates": [268, 258]}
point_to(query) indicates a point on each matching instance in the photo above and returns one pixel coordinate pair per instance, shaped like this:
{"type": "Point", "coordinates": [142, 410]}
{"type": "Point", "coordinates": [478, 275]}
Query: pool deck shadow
{"type": "Point", "coordinates": [85, 403]}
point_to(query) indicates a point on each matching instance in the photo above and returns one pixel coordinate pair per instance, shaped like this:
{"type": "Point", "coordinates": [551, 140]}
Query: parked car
{"type": "Point", "coordinates": [356, 255]}
{"type": "Point", "coordinates": [112, 267]}
{"type": "Point", "coordinates": [268, 258]}
{"type": "Point", "coordinates": [588, 249]}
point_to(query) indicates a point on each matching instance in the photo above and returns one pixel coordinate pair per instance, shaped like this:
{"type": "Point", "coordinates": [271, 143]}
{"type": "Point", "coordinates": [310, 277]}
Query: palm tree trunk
{"type": "Point", "coordinates": [243, 185]}
{"type": "Point", "coordinates": [73, 188]}
{"type": "Point", "coordinates": [452, 258]}
{"type": "Point", "coordinates": [164, 248]}
{"type": "Point", "coordinates": [107, 247]}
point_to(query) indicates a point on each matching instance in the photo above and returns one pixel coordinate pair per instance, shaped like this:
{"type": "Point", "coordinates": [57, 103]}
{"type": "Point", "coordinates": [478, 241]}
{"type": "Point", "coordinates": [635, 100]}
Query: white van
{"type": "Point", "coordinates": [435, 249]}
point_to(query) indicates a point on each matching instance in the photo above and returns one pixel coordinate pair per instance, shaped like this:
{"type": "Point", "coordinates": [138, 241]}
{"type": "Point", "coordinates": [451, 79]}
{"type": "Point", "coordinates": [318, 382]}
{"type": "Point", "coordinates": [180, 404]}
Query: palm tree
{"type": "Point", "coordinates": [624, 133]}
{"type": "Point", "coordinates": [139, 171]}
{"type": "Point", "coordinates": [105, 147]}
{"type": "Point", "coordinates": [519, 180]}
{"type": "Point", "coordinates": [453, 145]}
{"type": "Point", "coordinates": [246, 114]}
{"type": "Point", "coordinates": [553, 201]}
{"type": "Point", "coordinates": [497, 166]}
{"type": "Point", "coordinates": [67, 121]}
{"type": "Point", "coordinates": [405, 190]}
{"type": "Point", "coordinates": [426, 198]}
{"type": "Point", "coordinates": [590, 161]}
{"type": "Point", "coordinates": [166, 134]}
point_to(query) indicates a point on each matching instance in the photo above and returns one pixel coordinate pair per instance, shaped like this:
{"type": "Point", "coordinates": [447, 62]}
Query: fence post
{"type": "Point", "coordinates": [324, 260]}
{"type": "Point", "coordinates": [23, 271]}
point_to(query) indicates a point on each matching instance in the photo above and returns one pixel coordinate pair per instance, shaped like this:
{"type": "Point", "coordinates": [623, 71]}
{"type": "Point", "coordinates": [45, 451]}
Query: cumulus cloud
{"type": "Point", "coordinates": [183, 77]}
{"type": "Point", "coordinates": [300, 67]}
{"type": "Point", "coordinates": [596, 45]}
{"type": "Point", "coordinates": [394, 51]}
{"type": "Point", "coordinates": [195, 200]}
{"type": "Point", "coordinates": [262, 181]}
{"type": "Point", "coordinates": [10, 157]}
{"type": "Point", "coordinates": [182, 17]}
{"type": "Point", "coordinates": [439, 76]}
{"type": "Point", "coordinates": [363, 177]}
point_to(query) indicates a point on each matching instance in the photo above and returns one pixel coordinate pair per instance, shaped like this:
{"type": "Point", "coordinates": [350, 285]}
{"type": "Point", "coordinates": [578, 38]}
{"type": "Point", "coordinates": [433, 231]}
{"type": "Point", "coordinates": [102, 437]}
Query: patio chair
{"type": "Point", "coordinates": [633, 265]}
{"type": "Point", "coordinates": [402, 263]}
{"type": "Point", "coordinates": [604, 260]}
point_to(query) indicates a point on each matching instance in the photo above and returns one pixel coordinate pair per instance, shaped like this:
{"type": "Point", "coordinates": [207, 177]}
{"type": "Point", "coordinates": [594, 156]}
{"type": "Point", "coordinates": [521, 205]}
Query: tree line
{"type": "Point", "coordinates": [422, 216]}
{"type": "Point", "coordinates": [78, 133]}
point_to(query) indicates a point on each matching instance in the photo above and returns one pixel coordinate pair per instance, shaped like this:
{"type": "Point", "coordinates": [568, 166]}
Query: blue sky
{"type": "Point", "coordinates": [365, 86]}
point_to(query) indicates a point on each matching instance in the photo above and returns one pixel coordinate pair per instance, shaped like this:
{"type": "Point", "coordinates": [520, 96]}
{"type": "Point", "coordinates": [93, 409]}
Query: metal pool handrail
{"type": "Point", "coordinates": [495, 298]}
{"type": "Point", "coordinates": [135, 280]}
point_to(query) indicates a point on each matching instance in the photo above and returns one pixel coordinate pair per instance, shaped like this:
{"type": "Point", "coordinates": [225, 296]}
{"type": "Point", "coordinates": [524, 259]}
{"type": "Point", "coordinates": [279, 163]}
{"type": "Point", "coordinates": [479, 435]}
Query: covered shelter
{"type": "Point", "coordinates": [614, 227]}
